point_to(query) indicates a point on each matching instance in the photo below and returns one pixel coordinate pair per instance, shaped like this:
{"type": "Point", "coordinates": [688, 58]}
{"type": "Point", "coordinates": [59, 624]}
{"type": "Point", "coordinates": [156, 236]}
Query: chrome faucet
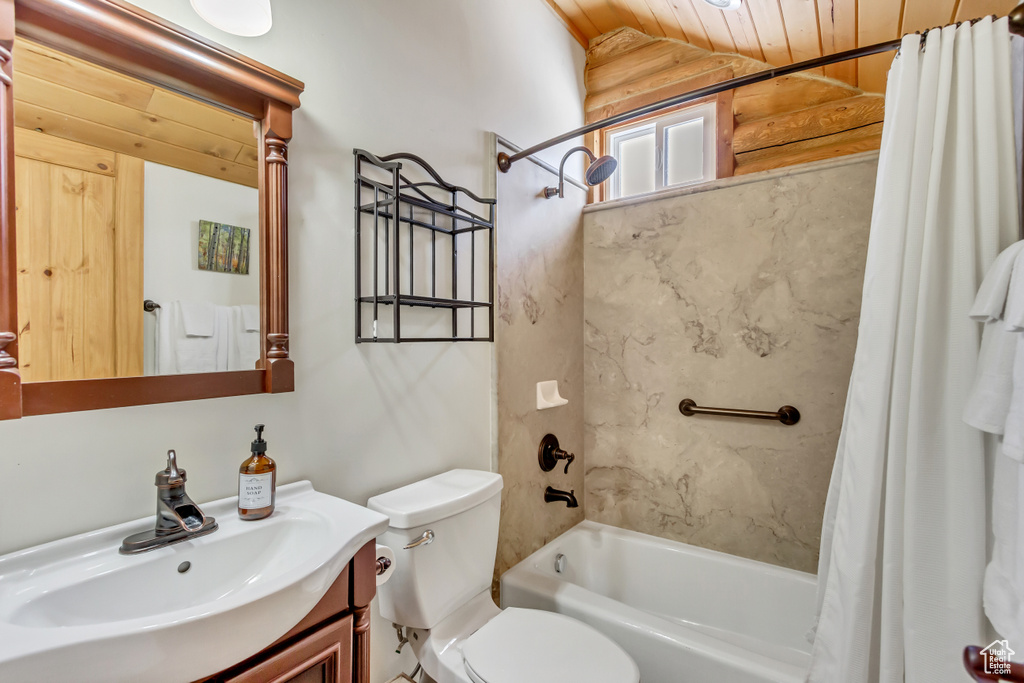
{"type": "Point", "coordinates": [553, 495]}
{"type": "Point", "coordinates": [177, 517]}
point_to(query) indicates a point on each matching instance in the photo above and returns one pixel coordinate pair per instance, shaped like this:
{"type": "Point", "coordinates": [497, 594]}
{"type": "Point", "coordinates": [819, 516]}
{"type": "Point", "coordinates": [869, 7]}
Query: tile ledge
{"type": "Point", "coordinates": [733, 181]}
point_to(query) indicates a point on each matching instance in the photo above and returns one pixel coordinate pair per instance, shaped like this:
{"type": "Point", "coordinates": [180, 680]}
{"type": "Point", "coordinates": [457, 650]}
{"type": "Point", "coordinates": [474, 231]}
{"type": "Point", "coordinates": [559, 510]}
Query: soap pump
{"type": "Point", "coordinates": [257, 482]}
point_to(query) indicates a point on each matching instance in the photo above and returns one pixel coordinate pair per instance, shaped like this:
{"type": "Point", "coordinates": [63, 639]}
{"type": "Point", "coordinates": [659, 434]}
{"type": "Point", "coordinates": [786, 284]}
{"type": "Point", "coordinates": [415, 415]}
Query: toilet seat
{"type": "Point", "coordinates": [544, 647]}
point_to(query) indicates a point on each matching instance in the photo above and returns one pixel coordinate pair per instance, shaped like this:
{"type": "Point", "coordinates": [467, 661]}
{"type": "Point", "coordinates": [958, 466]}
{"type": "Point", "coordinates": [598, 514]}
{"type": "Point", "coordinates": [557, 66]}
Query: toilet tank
{"type": "Point", "coordinates": [432, 580]}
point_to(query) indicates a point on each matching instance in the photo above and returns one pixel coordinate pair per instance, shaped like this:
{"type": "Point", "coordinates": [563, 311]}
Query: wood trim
{"type": "Point", "coordinates": [10, 378]}
{"type": "Point", "coordinates": [361, 645]}
{"type": "Point", "coordinates": [277, 131]}
{"type": "Point", "coordinates": [364, 576]}
{"type": "Point", "coordinates": [128, 39]}
{"type": "Point", "coordinates": [595, 142]}
{"type": "Point", "coordinates": [45, 398]}
{"type": "Point", "coordinates": [567, 23]}
{"type": "Point", "coordinates": [128, 269]}
{"type": "Point", "coordinates": [669, 111]}
{"type": "Point", "coordinates": [364, 587]}
{"type": "Point", "coordinates": [132, 41]}
{"type": "Point", "coordinates": [330, 645]}
{"type": "Point", "coordinates": [336, 600]}
{"type": "Point", "coordinates": [726, 162]}
{"type": "Point", "coordinates": [274, 195]}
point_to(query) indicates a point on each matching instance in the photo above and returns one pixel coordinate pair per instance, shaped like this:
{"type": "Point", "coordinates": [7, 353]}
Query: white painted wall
{"type": "Point", "coordinates": [425, 76]}
{"type": "Point", "coordinates": [175, 201]}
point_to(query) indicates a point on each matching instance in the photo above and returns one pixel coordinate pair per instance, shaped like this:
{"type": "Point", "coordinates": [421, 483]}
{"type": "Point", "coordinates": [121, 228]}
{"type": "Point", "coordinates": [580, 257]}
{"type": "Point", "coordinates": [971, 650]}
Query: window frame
{"type": "Point", "coordinates": [721, 133]}
{"type": "Point", "coordinates": [660, 125]}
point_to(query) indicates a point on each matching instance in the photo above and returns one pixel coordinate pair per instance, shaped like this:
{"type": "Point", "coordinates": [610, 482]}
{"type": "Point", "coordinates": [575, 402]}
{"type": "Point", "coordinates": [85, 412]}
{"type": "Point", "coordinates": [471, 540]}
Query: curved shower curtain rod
{"type": "Point", "coordinates": [1016, 21]}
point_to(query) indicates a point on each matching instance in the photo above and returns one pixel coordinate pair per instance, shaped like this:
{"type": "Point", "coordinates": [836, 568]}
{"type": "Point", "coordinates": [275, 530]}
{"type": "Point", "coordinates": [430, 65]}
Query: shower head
{"type": "Point", "coordinates": [598, 172]}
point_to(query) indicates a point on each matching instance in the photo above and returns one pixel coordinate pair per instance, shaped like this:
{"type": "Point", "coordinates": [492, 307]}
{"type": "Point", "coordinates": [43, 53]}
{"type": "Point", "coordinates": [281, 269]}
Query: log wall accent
{"type": "Point", "coordinates": [788, 120]}
{"type": "Point", "coordinates": [779, 31]}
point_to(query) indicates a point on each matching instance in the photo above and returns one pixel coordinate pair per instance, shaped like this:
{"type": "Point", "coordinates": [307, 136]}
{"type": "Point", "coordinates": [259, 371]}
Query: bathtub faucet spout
{"type": "Point", "coordinates": [553, 495]}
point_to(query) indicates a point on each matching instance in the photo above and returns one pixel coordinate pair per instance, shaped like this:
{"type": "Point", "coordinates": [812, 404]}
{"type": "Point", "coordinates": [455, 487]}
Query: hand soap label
{"type": "Point", "coordinates": [255, 490]}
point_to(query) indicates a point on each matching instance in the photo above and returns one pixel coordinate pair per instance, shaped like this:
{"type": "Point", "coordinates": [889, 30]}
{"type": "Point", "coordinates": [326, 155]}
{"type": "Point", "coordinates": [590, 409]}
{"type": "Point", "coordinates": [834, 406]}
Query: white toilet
{"type": "Point", "coordinates": [444, 531]}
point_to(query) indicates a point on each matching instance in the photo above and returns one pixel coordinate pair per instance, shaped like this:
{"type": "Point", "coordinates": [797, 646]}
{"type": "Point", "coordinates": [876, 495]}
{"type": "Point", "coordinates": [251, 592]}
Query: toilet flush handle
{"type": "Point", "coordinates": [425, 539]}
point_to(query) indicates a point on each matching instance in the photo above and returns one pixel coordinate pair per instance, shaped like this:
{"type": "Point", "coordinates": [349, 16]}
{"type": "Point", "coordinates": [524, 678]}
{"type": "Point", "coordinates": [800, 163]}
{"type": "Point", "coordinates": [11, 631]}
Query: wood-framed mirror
{"type": "Point", "coordinates": [121, 39]}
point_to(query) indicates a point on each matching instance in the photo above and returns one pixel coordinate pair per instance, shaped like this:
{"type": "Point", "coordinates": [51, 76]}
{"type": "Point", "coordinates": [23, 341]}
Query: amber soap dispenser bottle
{"type": "Point", "coordinates": [257, 481]}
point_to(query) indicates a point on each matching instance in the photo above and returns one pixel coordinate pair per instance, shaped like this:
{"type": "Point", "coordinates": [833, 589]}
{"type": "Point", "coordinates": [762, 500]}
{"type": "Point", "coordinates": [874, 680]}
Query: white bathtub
{"type": "Point", "coordinates": [685, 614]}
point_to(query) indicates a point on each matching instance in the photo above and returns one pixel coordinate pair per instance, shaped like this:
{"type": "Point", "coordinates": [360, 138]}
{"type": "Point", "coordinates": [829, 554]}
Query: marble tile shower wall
{"type": "Point", "coordinates": [744, 295]}
{"type": "Point", "coordinates": [539, 336]}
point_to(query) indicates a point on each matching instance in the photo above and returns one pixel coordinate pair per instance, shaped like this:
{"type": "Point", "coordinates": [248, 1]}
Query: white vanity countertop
{"type": "Point", "coordinates": [76, 609]}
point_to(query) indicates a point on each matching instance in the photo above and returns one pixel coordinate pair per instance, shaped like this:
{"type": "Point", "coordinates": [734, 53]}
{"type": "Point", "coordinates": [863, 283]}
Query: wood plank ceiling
{"type": "Point", "coordinates": [66, 97]}
{"type": "Point", "coordinates": [779, 32]}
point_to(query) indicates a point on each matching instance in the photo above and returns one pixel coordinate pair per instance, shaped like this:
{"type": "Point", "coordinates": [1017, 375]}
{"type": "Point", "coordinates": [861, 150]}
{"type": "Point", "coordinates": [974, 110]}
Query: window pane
{"type": "Point", "coordinates": [685, 145]}
{"type": "Point", "coordinates": [636, 164]}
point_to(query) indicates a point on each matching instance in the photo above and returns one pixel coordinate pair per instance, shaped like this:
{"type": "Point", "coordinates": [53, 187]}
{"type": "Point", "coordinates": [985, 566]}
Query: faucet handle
{"type": "Point", "coordinates": [549, 453]}
{"type": "Point", "coordinates": [171, 476]}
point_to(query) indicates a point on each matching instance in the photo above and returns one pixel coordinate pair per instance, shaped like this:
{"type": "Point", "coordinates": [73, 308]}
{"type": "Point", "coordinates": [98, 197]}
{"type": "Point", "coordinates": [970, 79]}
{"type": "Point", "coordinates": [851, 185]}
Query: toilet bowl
{"type": "Point", "coordinates": [444, 531]}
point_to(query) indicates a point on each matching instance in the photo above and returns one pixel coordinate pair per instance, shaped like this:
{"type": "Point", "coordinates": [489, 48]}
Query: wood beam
{"type": "Point", "coordinates": [848, 142]}
{"type": "Point", "coordinates": [813, 122]}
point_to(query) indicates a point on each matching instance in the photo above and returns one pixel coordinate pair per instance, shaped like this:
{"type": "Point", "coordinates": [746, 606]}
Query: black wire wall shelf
{"type": "Point", "coordinates": [420, 245]}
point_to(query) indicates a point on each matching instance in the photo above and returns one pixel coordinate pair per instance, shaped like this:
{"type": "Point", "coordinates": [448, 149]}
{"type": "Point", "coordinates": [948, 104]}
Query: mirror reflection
{"type": "Point", "coordinates": [128, 193]}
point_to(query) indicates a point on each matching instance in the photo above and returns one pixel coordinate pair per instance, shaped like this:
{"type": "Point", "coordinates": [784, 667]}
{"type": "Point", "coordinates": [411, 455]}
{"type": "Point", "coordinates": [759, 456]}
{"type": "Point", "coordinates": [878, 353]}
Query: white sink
{"type": "Point", "coordinates": [77, 610]}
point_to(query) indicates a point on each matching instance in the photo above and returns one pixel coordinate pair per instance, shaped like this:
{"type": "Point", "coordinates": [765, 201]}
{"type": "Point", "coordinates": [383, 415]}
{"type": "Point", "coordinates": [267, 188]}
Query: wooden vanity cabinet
{"type": "Point", "coordinates": [323, 656]}
{"type": "Point", "coordinates": [330, 645]}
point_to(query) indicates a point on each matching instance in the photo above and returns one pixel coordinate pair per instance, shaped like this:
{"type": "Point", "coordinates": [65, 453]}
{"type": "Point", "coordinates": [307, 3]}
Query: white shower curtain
{"type": "Point", "coordinates": [904, 537]}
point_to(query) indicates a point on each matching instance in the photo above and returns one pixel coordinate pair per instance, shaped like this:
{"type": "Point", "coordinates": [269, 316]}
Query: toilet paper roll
{"type": "Point", "coordinates": [385, 563]}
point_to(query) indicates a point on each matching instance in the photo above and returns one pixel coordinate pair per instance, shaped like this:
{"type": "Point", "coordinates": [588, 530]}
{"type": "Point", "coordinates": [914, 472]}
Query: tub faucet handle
{"type": "Point", "coordinates": [549, 453]}
{"type": "Point", "coordinates": [568, 460]}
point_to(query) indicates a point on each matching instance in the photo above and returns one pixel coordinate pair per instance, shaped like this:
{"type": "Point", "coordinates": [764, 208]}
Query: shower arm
{"type": "Point", "coordinates": [505, 161]}
{"type": "Point", "coordinates": [550, 192]}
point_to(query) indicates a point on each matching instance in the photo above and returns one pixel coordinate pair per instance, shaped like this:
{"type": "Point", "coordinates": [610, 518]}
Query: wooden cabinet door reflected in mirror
{"type": "Point", "coordinates": [80, 238]}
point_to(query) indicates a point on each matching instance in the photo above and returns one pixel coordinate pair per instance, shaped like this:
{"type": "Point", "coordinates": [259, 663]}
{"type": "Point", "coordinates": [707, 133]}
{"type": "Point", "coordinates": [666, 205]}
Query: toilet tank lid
{"type": "Point", "coordinates": [436, 498]}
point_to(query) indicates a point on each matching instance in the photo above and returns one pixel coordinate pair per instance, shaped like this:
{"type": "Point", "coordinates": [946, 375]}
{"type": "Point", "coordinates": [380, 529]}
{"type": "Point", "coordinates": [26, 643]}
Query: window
{"type": "Point", "coordinates": [670, 151]}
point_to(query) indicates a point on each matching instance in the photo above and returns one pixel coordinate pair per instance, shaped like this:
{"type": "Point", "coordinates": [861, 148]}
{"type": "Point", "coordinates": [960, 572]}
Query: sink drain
{"type": "Point", "coordinates": [184, 567]}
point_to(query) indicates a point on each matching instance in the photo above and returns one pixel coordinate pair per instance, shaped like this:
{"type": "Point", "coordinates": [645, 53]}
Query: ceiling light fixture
{"type": "Point", "coordinates": [725, 4]}
{"type": "Point", "coordinates": [248, 18]}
